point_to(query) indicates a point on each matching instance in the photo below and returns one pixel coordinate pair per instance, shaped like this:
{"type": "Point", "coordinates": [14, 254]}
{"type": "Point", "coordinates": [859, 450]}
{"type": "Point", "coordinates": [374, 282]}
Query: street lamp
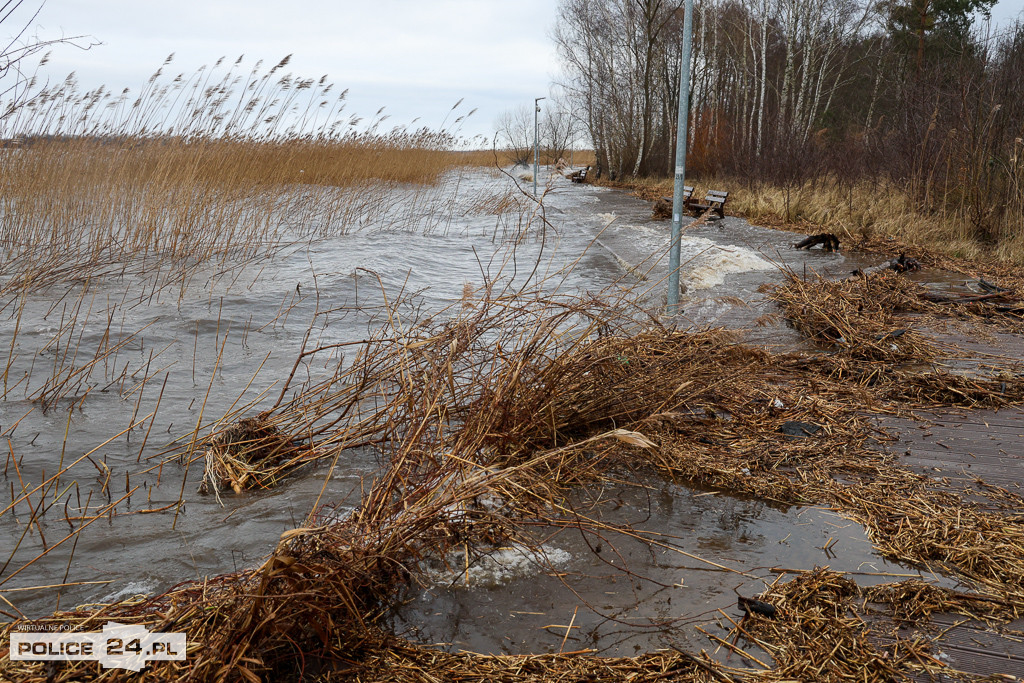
{"type": "Point", "coordinates": [536, 170]}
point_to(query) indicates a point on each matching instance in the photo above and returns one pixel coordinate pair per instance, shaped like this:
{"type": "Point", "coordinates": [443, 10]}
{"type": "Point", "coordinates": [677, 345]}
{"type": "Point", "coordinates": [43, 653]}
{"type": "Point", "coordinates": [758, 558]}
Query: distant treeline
{"type": "Point", "coordinates": [912, 92]}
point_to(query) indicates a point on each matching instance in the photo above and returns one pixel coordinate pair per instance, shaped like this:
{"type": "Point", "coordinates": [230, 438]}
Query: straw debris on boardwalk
{"type": "Point", "coordinates": [514, 397]}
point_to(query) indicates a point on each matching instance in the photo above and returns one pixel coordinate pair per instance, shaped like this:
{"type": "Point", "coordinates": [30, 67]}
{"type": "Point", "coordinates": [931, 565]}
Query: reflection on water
{"type": "Point", "coordinates": [622, 595]}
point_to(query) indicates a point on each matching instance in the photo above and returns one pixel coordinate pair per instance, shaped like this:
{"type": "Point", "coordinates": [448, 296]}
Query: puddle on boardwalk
{"type": "Point", "coordinates": [622, 595]}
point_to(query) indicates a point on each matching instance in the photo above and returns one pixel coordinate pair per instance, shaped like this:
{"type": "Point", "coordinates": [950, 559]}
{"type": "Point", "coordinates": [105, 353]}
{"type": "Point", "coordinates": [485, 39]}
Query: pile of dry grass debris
{"type": "Point", "coordinates": [519, 397]}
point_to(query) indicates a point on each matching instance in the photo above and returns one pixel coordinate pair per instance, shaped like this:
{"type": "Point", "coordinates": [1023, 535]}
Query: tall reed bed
{"type": "Point", "coordinates": [195, 175]}
{"type": "Point", "coordinates": [95, 207]}
{"type": "Point", "coordinates": [220, 165]}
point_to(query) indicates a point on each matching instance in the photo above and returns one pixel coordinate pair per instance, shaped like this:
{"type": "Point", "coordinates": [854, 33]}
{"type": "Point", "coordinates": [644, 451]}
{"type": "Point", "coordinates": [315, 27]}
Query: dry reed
{"type": "Point", "coordinates": [194, 178]}
{"type": "Point", "coordinates": [869, 216]}
{"type": "Point", "coordinates": [511, 395]}
{"type": "Point", "coordinates": [222, 166]}
{"type": "Point", "coordinates": [514, 396]}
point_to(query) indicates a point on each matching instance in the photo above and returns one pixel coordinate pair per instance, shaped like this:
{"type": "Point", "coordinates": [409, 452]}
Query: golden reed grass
{"type": "Point", "coordinates": [205, 172]}
{"type": "Point", "coordinates": [194, 168]}
{"type": "Point", "coordinates": [90, 205]}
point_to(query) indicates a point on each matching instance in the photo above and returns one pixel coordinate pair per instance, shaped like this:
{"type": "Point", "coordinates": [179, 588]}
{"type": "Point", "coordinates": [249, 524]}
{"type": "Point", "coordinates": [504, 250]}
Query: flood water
{"type": "Point", "coordinates": [224, 341]}
{"type": "Point", "coordinates": [617, 595]}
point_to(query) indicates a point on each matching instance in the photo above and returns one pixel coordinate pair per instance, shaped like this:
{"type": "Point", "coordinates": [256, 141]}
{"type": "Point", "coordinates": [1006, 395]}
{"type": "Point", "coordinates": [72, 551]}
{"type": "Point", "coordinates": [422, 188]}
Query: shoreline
{"type": "Point", "coordinates": [696, 407]}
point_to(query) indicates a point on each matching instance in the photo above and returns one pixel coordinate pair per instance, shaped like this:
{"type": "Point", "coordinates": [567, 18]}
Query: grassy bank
{"type": "Point", "coordinates": [867, 215]}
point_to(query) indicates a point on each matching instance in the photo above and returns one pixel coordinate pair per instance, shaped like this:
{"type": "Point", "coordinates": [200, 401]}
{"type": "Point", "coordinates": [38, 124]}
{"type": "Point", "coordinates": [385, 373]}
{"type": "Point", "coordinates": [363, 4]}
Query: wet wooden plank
{"type": "Point", "coordinates": [962, 447]}
{"type": "Point", "coordinates": [970, 646]}
{"type": "Point", "coordinates": [979, 464]}
{"type": "Point", "coordinates": [973, 430]}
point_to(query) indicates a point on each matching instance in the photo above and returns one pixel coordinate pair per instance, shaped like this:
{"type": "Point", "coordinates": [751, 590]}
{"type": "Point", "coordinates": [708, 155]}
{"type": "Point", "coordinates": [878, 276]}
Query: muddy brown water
{"type": "Point", "coordinates": [258, 314]}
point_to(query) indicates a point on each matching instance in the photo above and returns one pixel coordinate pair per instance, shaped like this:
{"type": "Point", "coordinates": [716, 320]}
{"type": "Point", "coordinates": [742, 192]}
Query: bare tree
{"type": "Point", "coordinates": [515, 133]}
{"type": "Point", "coordinates": [614, 53]}
{"type": "Point", "coordinates": [559, 127]}
{"type": "Point", "coordinates": [558, 130]}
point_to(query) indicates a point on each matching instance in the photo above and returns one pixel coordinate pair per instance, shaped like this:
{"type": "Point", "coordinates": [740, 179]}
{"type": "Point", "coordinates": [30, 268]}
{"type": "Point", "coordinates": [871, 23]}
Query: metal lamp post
{"type": "Point", "coordinates": [536, 168]}
{"type": "Point", "coordinates": [677, 197]}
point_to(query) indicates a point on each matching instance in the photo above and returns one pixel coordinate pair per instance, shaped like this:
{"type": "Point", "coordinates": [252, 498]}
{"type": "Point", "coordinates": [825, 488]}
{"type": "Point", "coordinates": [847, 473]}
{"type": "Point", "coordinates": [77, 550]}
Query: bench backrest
{"type": "Point", "coordinates": [716, 197]}
{"type": "Point", "coordinates": [687, 194]}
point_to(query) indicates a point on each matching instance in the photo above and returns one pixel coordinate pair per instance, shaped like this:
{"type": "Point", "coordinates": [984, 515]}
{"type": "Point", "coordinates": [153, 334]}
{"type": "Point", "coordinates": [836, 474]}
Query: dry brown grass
{"type": "Point", "coordinates": [859, 317]}
{"type": "Point", "coordinates": [826, 628]}
{"type": "Point", "coordinates": [517, 396]}
{"type": "Point", "coordinates": [870, 215]}
{"type": "Point", "coordinates": [867, 210]}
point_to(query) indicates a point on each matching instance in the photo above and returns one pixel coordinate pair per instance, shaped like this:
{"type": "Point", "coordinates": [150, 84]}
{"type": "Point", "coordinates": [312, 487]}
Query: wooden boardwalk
{"type": "Point", "coordinates": [966, 452]}
{"type": "Point", "coordinates": [963, 449]}
{"type": "Point", "coordinates": [968, 445]}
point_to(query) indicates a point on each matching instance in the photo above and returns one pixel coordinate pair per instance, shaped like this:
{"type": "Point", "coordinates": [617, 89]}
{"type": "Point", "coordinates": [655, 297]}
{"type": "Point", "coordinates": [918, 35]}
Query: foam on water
{"type": "Point", "coordinates": [606, 218]}
{"type": "Point", "coordinates": [706, 264]}
{"type": "Point", "coordinates": [500, 567]}
{"type": "Point", "coordinates": [130, 589]}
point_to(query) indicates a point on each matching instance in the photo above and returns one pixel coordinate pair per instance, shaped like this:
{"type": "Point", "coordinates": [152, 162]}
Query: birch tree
{"type": "Point", "coordinates": [613, 52]}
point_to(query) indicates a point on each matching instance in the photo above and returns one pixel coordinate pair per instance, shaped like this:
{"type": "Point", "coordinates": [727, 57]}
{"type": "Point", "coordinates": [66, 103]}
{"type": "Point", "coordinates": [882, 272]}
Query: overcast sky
{"type": "Point", "coordinates": [416, 58]}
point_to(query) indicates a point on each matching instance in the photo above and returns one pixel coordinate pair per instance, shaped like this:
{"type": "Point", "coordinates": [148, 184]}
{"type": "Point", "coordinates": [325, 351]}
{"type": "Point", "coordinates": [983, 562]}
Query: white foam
{"type": "Point", "coordinates": [655, 233]}
{"type": "Point", "coordinates": [706, 264]}
{"type": "Point", "coordinates": [130, 590]}
{"type": "Point", "coordinates": [499, 567]}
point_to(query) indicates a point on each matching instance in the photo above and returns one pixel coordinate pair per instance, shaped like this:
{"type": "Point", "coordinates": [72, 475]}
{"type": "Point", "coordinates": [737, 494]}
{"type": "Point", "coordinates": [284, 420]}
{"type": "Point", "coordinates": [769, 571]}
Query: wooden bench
{"type": "Point", "coordinates": [714, 200]}
{"type": "Point", "coordinates": [579, 176]}
{"type": "Point", "coordinates": [663, 205]}
{"type": "Point", "coordinates": [687, 197]}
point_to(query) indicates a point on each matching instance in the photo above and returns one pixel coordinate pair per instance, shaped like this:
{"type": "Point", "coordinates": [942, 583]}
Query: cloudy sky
{"type": "Point", "coordinates": [416, 58]}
